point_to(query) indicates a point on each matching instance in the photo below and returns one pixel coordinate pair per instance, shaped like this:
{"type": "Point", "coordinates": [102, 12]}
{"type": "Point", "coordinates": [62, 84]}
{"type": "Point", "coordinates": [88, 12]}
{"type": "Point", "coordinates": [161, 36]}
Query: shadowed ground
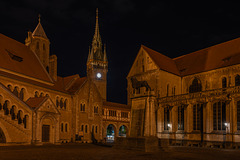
{"type": "Point", "coordinates": [90, 151]}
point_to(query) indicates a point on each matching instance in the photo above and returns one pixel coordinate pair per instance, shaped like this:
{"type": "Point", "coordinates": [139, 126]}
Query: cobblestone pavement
{"type": "Point", "coordinates": [90, 151]}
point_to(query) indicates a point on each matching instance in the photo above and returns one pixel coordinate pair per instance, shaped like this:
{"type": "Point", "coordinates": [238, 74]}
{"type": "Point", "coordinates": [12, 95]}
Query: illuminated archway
{"type": "Point", "coordinates": [111, 133]}
{"type": "Point", "coordinates": [123, 131]}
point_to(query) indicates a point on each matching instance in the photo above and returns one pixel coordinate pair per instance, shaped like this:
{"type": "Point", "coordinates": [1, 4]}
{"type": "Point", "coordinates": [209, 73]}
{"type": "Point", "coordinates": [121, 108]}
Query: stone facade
{"type": "Point", "coordinates": [197, 95]}
{"type": "Point", "coordinates": [37, 106]}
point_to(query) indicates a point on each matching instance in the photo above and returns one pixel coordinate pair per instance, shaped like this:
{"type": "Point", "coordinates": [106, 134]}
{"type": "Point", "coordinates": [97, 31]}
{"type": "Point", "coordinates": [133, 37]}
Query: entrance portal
{"type": "Point", "coordinates": [110, 133]}
{"type": "Point", "coordinates": [45, 133]}
{"type": "Point", "coordinates": [2, 137]}
{"type": "Point", "coordinates": [123, 131]}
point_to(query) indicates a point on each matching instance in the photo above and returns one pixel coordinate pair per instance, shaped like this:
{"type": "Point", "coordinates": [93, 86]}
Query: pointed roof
{"type": "Point", "coordinates": [17, 59]}
{"type": "Point", "coordinates": [163, 62]}
{"type": "Point", "coordinates": [97, 32]}
{"type": "Point", "coordinates": [39, 31]}
{"type": "Point", "coordinates": [35, 102]}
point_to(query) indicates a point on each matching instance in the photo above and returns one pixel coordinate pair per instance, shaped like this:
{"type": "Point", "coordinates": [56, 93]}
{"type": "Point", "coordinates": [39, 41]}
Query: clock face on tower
{"type": "Point", "coordinates": [99, 75]}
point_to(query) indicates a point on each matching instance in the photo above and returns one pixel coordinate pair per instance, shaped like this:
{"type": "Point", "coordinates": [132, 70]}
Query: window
{"type": "Point", "coordinates": [237, 80]}
{"type": "Point", "coordinates": [66, 127]}
{"type": "Point", "coordinates": [96, 129]}
{"type": "Point", "coordinates": [219, 116]}
{"type": "Point", "coordinates": [36, 94]}
{"type": "Point", "coordinates": [180, 117]}
{"type": "Point", "coordinates": [13, 112]}
{"type": "Point", "coordinates": [166, 118]}
{"type": "Point", "coordinates": [15, 91]}
{"type": "Point", "coordinates": [20, 117]}
{"type": "Point", "coordinates": [57, 102]}
{"type": "Point", "coordinates": [61, 127]}
{"type": "Point", "coordinates": [224, 82]}
{"type": "Point", "coordinates": [238, 115]}
{"type": "Point", "coordinates": [112, 113]}
{"type": "Point", "coordinates": [82, 127]}
{"type": "Point", "coordinates": [143, 69]}
{"type": "Point", "coordinates": [96, 109]}
{"type": "Point", "coordinates": [82, 107]}
{"type": "Point", "coordinates": [167, 89]}
{"type": "Point", "coordinates": [196, 86]}
{"type": "Point", "coordinates": [86, 129]}
{"type": "Point", "coordinates": [196, 116]}
{"type": "Point", "coordinates": [26, 121]}
{"type": "Point", "coordinates": [124, 114]}
{"type": "Point", "coordinates": [21, 95]}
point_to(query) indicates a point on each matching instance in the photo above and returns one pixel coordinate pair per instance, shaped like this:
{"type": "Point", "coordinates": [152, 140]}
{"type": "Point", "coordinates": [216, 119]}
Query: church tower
{"type": "Point", "coordinates": [38, 42]}
{"type": "Point", "coordinates": [97, 64]}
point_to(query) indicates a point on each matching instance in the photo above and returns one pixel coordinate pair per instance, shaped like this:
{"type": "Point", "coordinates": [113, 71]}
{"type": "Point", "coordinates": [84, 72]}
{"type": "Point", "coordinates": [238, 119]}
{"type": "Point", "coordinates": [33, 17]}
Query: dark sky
{"type": "Point", "coordinates": [168, 27]}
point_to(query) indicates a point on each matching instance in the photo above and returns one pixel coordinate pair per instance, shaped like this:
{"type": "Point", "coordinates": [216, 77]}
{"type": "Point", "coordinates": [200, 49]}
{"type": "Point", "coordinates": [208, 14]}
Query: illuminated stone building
{"type": "Point", "coordinates": [38, 106]}
{"type": "Point", "coordinates": [196, 96]}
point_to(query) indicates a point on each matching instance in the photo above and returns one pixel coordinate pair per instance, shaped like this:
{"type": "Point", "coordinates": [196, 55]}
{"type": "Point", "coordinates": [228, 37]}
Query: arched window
{"type": "Point", "coordinates": [15, 91]}
{"type": "Point", "coordinates": [57, 102]}
{"type": "Point", "coordinates": [65, 104]}
{"type": "Point", "coordinates": [20, 117]}
{"type": "Point", "coordinates": [61, 103]}
{"type": "Point", "coordinates": [41, 95]}
{"type": "Point", "coordinates": [61, 127]}
{"type": "Point", "coordinates": [224, 82]}
{"type": "Point", "coordinates": [82, 127]}
{"type": "Point", "coordinates": [21, 95]}
{"type": "Point", "coordinates": [36, 94]}
{"type": "Point", "coordinates": [13, 112]}
{"type": "Point", "coordinates": [66, 127]}
{"type": "Point", "coordinates": [237, 80]}
{"type": "Point", "coordinates": [196, 86]}
{"type": "Point", "coordinates": [5, 107]}
{"type": "Point", "coordinates": [86, 129]}
{"type": "Point", "coordinates": [82, 107]}
{"type": "Point", "coordinates": [26, 121]}
{"type": "Point", "coordinates": [10, 87]}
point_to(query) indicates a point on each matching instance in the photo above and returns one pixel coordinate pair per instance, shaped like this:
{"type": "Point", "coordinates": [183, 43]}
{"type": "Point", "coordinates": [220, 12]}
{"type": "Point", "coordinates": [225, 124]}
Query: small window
{"type": "Point", "coordinates": [61, 127]}
{"type": "Point", "coordinates": [66, 127]}
{"type": "Point", "coordinates": [96, 129]}
{"type": "Point", "coordinates": [224, 82]}
{"type": "Point", "coordinates": [86, 129]}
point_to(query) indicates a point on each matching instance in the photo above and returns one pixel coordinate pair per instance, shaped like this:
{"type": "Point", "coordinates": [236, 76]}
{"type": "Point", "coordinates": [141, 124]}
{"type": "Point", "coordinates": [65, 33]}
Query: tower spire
{"type": "Point", "coordinates": [39, 18]}
{"type": "Point", "coordinates": [97, 33]}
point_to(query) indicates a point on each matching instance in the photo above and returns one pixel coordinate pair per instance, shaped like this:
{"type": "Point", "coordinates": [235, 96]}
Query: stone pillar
{"type": "Point", "coordinates": [150, 119]}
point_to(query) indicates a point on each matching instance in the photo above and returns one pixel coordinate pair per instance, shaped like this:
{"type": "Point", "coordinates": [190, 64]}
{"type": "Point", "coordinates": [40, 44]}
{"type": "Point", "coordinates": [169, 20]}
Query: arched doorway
{"type": "Point", "coordinates": [123, 131]}
{"type": "Point", "coordinates": [48, 130]}
{"type": "Point", "coordinates": [111, 132]}
{"type": "Point", "coordinates": [2, 137]}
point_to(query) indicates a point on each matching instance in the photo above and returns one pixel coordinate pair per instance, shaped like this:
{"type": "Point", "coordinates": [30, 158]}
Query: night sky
{"type": "Point", "coordinates": [168, 27]}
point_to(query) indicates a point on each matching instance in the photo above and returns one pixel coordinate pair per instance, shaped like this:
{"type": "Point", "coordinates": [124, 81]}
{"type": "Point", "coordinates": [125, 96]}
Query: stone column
{"type": "Point", "coordinates": [150, 120]}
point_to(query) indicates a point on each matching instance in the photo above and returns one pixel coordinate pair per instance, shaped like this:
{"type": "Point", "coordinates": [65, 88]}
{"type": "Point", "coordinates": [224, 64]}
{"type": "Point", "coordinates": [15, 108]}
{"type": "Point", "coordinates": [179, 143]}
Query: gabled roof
{"type": "Point", "coordinates": [77, 85]}
{"type": "Point", "coordinates": [39, 31]}
{"type": "Point", "coordinates": [16, 58]}
{"type": "Point", "coordinates": [217, 56]}
{"type": "Point", "coordinates": [35, 102]}
{"type": "Point", "coordinates": [163, 62]}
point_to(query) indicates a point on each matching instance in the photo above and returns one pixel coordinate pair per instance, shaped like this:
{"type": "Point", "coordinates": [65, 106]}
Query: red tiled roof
{"type": "Point", "coordinates": [35, 102]}
{"type": "Point", "coordinates": [29, 65]}
{"type": "Point", "coordinates": [116, 105]}
{"type": "Point", "coordinates": [77, 85]}
{"type": "Point", "coordinates": [218, 56]}
{"type": "Point", "coordinates": [163, 62]}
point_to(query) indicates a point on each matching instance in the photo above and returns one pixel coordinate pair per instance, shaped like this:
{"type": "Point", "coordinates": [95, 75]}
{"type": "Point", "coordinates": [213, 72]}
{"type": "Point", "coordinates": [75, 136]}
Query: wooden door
{"type": "Point", "coordinates": [45, 133]}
